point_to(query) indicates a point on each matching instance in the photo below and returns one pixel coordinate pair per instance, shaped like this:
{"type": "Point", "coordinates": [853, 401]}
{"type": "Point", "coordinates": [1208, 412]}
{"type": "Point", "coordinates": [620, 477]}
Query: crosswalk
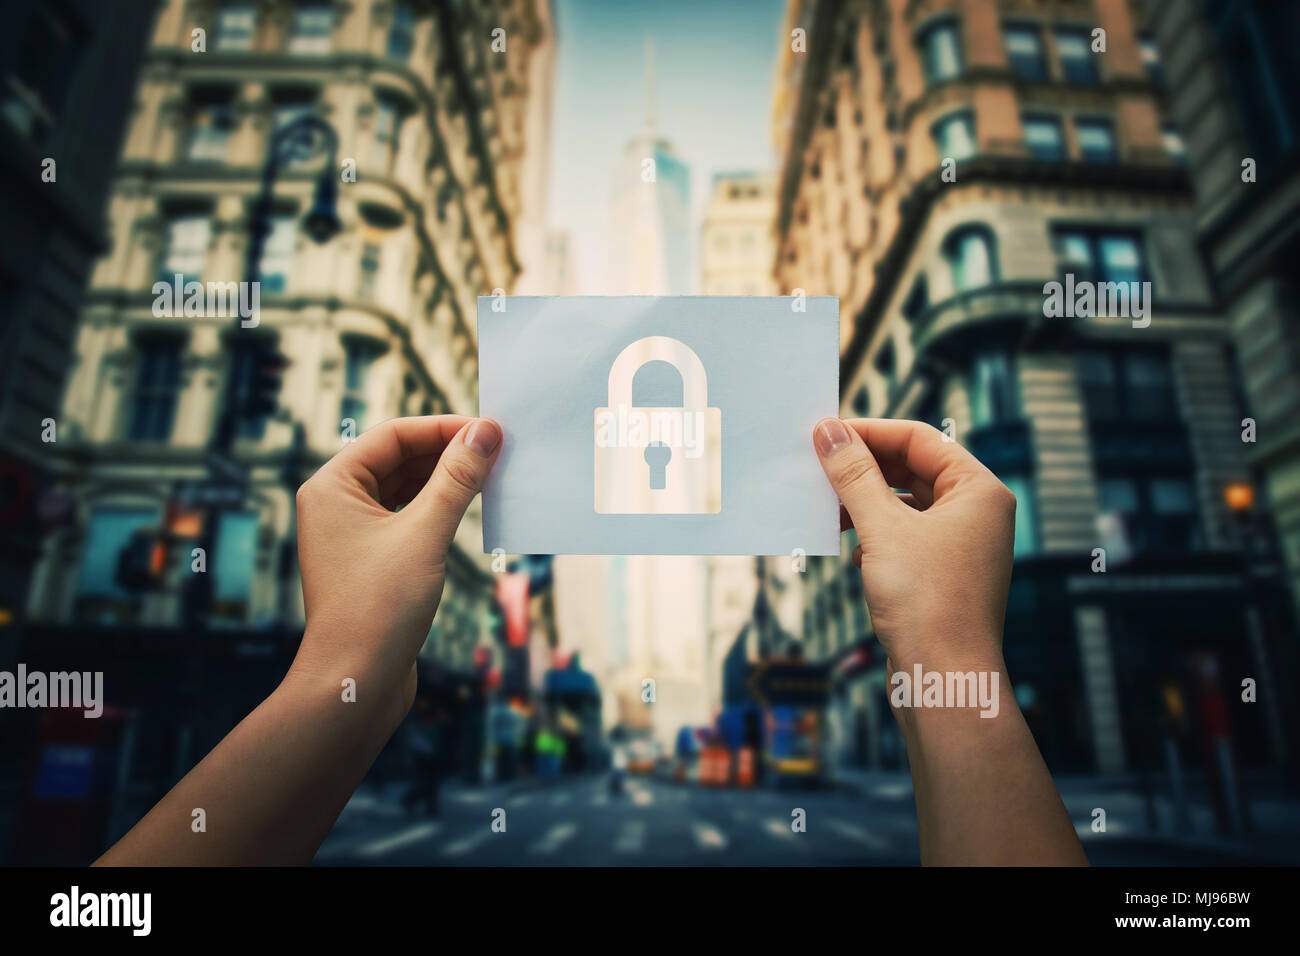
{"type": "Point", "coordinates": [588, 823]}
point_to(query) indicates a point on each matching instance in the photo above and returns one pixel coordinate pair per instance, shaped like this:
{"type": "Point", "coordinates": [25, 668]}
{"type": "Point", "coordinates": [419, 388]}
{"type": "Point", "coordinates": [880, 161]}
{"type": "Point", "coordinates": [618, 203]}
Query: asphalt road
{"type": "Point", "coordinates": [653, 823]}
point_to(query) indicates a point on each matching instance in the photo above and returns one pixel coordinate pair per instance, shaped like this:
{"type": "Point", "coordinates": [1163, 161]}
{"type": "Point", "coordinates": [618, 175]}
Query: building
{"type": "Point", "coordinates": [943, 163]}
{"type": "Point", "coordinates": [61, 130]}
{"type": "Point", "coordinates": [650, 206]}
{"type": "Point", "coordinates": [1231, 79]}
{"type": "Point", "coordinates": [435, 107]}
{"type": "Point", "coordinates": [735, 252]}
{"type": "Point", "coordinates": [736, 236]}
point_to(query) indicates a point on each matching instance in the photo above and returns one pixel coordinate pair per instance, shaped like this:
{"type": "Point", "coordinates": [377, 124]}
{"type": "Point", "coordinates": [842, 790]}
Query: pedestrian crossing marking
{"type": "Point", "coordinates": [856, 833]}
{"type": "Point", "coordinates": [405, 838]}
{"type": "Point", "coordinates": [466, 844]}
{"type": "Point", "coordinates": [707, 836]}
{"type": "Point", "coordinates": [555, 838]}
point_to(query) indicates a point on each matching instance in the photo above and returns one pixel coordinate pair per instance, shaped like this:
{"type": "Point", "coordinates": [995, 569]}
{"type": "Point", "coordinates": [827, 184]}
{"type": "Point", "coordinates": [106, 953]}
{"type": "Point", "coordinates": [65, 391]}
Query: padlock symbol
{"type": "Point", "coordinates": [658, 460]}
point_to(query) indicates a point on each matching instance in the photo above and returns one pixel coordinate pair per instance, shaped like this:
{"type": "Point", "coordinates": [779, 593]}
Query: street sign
{"type": "Point", "coordinates": [778, 683]}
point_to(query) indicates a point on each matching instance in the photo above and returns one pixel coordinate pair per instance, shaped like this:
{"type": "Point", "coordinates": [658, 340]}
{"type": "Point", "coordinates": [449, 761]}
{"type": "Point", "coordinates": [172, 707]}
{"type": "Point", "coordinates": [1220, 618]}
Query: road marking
{"type": "Point", "coordinates": [405, 838]}
{"type": "Point", "coordinates": [631, 838]}
{"type": "Point", "coordinates": [600, 799]}
{"type": "Point", "coordinates": [466, 844]}
{"type": "Point", "coordinates": [560, 799]}
{"type": "Point", "coordinates": [856, 833]}
{"type": "Point", "coordinates": [708, 837]}
{"type": "Point", "coordinates": [781, 828]}
{"type": "Point", "coordinates": [642, 797]}
{"type": "Point", "coordinates": [521, 800]}
{"type": "Point", "coordinates": [891, 791]}
{"type": "Point", "coordinates": [555, 838]}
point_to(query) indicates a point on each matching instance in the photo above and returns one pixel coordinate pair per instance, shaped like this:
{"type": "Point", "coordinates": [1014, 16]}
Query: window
{"type": "Point", "coordinates": [401, 35]}
{"type": "Point", "coordinates": [388, 124]}
{"type": "Point", "coordinates": [313, 27]}
{"type": "Point", "coordinates": [1134, 386]}
{"type": "Point", "coordinates": [1075, 52]}
{"type": "Point", "coordinates": [917, 301]}
{"type": "Point", "coordinates": [1256, 43]}
{"type": "Point", "coordinates": [1043, 137]}
{"type": "Point", "coordinates": [278, 254]}
{"type": "Point", "coordinates": [941, 52]}
{"type": "Point", "coordinates": [213, 121]}
{"type": "Point", "coordinates": [157, 386]}
{"type": "Point", "coordinates": [236, 23]}
{"type": "Point", "coordinates": [1159, 512]}
{"type": "Point", "coordinates": [108, 533]}
{"type": "Point", "coordinates": [1026, 532]}
{"type": "Point", "coordinates": [954, 136]}
{"type": "Point", "coordinates": [1025, 51]}
{"type": "Point", "coordinates": [1096, 140]}
{"type": "Point", "coordinates": [186, 247]}
{"type": "Point", "coordinates": [1174, 145]}
{"type": "Point", "coordinates": [33, 93]}
{"type": "Point", "coordinates": [360, 355]}
{"type": "Point", "coordinates": [970, 254]}
{"type": "Point", "coordinates": [1101, 256]}
{"type": "Point", "coordinates": [992, 390]}
{"type": "Point", "coordinates": [291, 106]}
{"type": "Point", "coordinates": [369, 269]}
{"type": "Point", "coordinates": [236, 561]}
{"type": "Point", "coordinates": [1151, 59]}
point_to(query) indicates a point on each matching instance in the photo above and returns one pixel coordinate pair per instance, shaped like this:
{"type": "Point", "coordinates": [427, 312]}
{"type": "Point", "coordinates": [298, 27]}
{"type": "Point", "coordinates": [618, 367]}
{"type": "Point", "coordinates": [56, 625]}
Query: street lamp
{"type": "Point", "coordinates": [302, 139]}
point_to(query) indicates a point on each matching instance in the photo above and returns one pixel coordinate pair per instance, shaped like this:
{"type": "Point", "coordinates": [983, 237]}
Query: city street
{"type": "Point", "coordinates": [576, 821]}
{"type": "Point", "coordinates": [654, 823]}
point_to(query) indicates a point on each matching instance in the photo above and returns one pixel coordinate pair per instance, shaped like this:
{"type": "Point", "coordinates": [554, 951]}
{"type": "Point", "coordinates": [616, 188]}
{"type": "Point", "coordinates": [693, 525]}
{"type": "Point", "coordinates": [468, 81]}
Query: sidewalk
{"type": "Point", "coordinates": [1274, 838]}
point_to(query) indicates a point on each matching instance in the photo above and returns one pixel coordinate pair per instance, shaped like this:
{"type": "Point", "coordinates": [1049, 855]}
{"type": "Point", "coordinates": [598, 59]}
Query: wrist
{"type": "Point", "coordinates": [351, 695]}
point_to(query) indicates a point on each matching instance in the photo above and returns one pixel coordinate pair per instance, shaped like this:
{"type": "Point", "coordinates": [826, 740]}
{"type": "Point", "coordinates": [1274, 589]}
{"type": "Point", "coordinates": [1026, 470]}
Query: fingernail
{"type": "Point", "coordinates": [483, 437]}
{"type": "Point", "coordinates": [830, 436]}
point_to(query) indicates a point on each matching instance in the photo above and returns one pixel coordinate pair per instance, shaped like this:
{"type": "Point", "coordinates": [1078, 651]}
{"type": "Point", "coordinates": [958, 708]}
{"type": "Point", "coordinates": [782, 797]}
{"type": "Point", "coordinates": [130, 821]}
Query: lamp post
{"type": "Point", "coordinates": [302, 139]}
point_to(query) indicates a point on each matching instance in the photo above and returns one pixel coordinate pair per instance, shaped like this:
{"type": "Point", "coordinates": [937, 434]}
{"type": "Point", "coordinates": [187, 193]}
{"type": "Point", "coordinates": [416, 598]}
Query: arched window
{"type": "Point", "coordinates": [972, 254]}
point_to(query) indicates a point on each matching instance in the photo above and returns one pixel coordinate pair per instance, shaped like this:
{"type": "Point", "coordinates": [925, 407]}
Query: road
{"type": "Point", "coordinates": [576, 822]}
{"type": "Point", "coordinates": [654, 823]}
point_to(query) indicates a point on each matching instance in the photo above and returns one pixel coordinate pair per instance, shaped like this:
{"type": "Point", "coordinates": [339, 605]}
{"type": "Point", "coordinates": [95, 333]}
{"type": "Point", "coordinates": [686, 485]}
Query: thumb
{"type": "Point", "coordinates": [852, 471]}
{"type": "Point", "coordinates": [462, 468]}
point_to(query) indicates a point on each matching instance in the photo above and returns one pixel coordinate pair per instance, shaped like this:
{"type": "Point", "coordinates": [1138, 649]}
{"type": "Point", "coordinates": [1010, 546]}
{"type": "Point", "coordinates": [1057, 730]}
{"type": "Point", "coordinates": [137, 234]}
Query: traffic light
{"type": "Point", "coordinates": [264, 372]}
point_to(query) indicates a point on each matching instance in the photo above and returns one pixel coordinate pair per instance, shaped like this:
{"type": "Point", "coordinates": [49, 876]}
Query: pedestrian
{"type": "Point", "coordinates": [936, 568]}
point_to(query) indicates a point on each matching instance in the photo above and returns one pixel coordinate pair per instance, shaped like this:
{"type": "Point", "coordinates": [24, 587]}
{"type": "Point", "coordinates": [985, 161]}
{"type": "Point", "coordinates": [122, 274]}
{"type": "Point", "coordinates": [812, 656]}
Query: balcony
{"type": "Point", "coordinates": [950, 325]}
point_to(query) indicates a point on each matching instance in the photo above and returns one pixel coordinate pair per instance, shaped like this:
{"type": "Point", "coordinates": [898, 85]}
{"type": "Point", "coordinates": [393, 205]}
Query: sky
{"type": "Point", "coordinates": [714, 73]}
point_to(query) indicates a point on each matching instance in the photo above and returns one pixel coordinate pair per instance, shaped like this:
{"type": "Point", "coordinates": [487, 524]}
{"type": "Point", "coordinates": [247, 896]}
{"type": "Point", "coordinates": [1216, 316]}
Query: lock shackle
{"type": "Point", "coordinates": [659, 348]}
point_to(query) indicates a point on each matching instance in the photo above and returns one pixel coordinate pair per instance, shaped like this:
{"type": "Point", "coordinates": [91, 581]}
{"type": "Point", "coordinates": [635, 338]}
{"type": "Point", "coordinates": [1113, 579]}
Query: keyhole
{"type": "Point", "coordinates": [657, 455]}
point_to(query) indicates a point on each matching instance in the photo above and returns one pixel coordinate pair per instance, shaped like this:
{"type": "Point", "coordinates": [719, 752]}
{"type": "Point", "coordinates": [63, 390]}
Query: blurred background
{"type": "Point", "coordinates": [378, 164]}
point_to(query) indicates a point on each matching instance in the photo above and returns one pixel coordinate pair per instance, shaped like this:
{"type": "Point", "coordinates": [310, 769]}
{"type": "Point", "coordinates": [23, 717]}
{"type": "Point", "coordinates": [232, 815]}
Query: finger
{"type": "Point", "coordinates": [852, 471]}
{"type": "Point", "coordinates": [907, 498]}
{"type": "Point", "coordinates": [920, 449]}
{"type": "Point", "coordinates": [458, 477]}
{"type": "Point", "coordinates": [379, 452]}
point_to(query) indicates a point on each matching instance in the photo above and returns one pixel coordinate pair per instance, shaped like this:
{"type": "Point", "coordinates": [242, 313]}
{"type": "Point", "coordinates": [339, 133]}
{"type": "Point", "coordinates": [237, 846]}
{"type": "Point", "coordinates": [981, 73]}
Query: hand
{"type": "Point", "coordinates": [936, 563]}
{"type": "Point", "coordinates": [372, 576]}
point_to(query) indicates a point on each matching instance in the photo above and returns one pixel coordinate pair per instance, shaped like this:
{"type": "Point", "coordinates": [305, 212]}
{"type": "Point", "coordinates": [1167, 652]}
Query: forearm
{"type": "Point", "coordinates": [983, 793]}
{"type": "Point", "coordinates": [272, 789]}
